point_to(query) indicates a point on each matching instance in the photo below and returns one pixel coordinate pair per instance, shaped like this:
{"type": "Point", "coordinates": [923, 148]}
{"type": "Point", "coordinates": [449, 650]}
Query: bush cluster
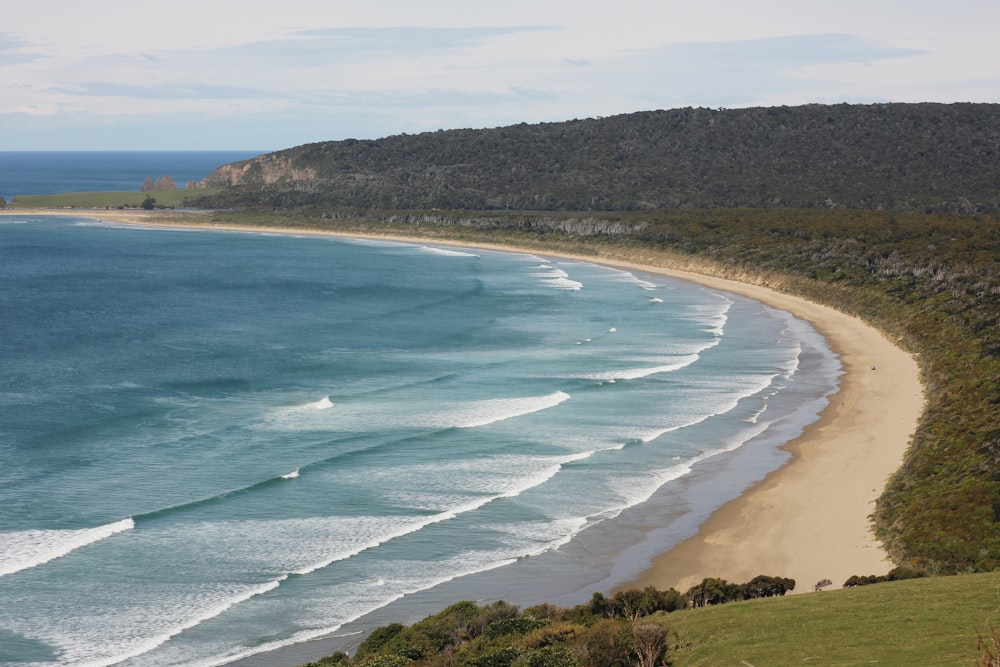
{"type": "Point", "coordinates": [623, 630]}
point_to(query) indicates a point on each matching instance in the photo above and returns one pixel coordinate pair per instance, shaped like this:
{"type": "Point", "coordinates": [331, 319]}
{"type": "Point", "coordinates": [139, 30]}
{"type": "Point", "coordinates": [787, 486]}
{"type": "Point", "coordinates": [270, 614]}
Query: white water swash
{"type": "Point", "coordinates": [215, 444]}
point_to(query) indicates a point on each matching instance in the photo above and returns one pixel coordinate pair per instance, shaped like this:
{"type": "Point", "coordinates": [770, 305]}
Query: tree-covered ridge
{"type": "Point", "coordinates": [923, 157]}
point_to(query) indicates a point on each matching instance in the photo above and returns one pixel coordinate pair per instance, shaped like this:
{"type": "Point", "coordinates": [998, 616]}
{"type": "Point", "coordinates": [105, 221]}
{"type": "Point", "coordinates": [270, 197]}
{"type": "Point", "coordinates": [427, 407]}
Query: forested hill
{"type": "Point", "coordinates": [918, 157]}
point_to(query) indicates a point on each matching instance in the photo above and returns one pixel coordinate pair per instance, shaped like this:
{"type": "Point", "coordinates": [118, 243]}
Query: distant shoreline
{"type": "Point", "coordinates": [807, 520]}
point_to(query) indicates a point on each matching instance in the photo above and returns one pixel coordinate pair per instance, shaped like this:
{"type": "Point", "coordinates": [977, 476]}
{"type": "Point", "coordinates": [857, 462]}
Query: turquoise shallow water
{"type": "Point", "coordinates": [213, 444]}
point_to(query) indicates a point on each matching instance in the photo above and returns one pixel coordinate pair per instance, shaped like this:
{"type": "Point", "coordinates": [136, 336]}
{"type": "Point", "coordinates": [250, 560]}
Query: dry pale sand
{"type": "Point", "coordinates": [809, 520]}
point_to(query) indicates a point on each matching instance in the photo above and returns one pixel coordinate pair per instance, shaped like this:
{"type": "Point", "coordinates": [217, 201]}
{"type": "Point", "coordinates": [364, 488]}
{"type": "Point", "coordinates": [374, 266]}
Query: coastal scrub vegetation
{"type": "Point", "coordinates": [626, 629]}
{"type": "Point", "coordinates": [914, 157]}
{"type": "Point", "coordinates": [927, 621]}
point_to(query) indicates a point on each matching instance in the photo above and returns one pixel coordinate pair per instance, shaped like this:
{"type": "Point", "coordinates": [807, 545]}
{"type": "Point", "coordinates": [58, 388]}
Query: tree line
{"type": "Point", "coordinates": [626, 629]}
{"type": "Point", "coordinates": [163, 184]}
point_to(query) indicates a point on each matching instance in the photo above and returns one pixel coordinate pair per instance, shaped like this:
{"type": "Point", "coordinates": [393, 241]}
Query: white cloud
{"type": "Point", "coordinates": [309, 70]}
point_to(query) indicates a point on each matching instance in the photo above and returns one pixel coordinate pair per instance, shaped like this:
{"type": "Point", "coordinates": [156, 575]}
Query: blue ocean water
{"type": "Point", "coordinates": [51, 172]}
{"type": "Point", "coordinates": [214, 444]}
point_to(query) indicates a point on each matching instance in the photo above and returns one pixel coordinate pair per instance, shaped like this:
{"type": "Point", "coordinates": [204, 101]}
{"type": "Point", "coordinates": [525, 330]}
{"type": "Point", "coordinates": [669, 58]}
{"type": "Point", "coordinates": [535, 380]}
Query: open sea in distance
{"type": "Point", "coordinates": [52, 172]}
{"type": "Point", "coordinates": [214, 444]}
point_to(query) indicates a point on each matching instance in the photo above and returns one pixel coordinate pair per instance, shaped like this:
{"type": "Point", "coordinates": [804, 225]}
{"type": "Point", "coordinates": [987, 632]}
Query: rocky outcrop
{"type": "Point", "coordinates": [268, 169]}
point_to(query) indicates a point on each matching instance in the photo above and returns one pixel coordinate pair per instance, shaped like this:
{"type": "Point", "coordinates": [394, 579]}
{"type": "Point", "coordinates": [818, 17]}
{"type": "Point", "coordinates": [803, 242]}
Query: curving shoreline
{"type": "Point", "coordinates": [809, 519]}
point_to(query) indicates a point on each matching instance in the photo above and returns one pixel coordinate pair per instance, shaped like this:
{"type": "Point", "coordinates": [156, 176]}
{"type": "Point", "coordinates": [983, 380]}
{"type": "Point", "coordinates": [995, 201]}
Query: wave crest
{"type": "Point", "coordinates": [500, 409]}
{"type": "Point", "coordinates": [30, 548]}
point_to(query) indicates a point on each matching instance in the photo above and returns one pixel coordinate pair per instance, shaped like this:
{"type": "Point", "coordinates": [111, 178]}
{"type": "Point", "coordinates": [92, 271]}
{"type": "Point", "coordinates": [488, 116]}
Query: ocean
{"type": "Point", "coordinates": [214, 444]}
{"type": "Point", "coordinates": [52, 172]}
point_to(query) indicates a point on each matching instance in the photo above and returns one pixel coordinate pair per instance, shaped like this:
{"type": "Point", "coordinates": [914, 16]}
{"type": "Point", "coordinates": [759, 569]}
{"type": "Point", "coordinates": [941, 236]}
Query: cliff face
{"type": "Point", "coordinates": [266, 169]}
{"type": "Point", "coordinates": [928, 157]}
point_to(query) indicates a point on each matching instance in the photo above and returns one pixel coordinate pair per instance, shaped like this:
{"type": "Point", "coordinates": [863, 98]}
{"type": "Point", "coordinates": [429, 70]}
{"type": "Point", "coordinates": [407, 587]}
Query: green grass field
{"type": "Point", "coordinates": [171, 199]}
{"type": "Point", "coordinates": [933, 621]}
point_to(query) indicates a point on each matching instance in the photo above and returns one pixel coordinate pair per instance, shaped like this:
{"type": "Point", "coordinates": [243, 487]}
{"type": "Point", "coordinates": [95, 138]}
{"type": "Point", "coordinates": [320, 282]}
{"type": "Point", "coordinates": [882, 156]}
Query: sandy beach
{"type": "Point", "coordinates": [809, 520]}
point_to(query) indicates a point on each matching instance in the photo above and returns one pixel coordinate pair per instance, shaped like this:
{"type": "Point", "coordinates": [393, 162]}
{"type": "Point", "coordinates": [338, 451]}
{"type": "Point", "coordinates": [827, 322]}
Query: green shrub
{"type": "Point", "coordinates": [385, 661]}
{"type": "Point", "coordinates": [500, 657]}
{"type": "Point", "coordinates": [513, 626]}
{"type": "Point", "coordinates": [379, 638]}
{"type": "Point", "coordinates": [552, 656]}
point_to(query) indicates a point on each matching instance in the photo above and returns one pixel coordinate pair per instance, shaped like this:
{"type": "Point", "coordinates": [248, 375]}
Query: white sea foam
{"type": "Point", "coordinates": [373, 533]}
{"type": "Point", "coordinates": [635, 490]}
{"type": "Point", "coordinates": [753, 419]}
{"type": "Point", "coordinates": [292, 475]}
{"type": "Point", "coordinates": [636, 373]}
{"type": "Point", "coordinates": [627, 277]}
{"type": "Point", "coordinates": [624, 276]}
{"type": "Point", "coordinates": [720, 406]}
{"type": "Point", "coordinates": [792, 365]}
{"type": "Point", "coordinates": [557, 278]}
{"type": "Point", "coordinates": [487, 412]}
{"type": "Point", "coordinates": [300, 411]}
{"type": "Point", "coordinates": [445, 252]}
{"type": "Point", "coordinates": [30, 548]}
{"type": "Point", "coordinates": [542, 535]}
{"type": "Point", "coordinates": [713, 317]}
{"type": "Point", "coordinates": [472, 484]}
{"type": "Point", "coordinates": [387, 529]}
{"type": "Point", "coordinates": [93, 223]}
{"type": "Point", "coordinates": [543, 475]}
{"type": "Point", "coordinates": [721, 402]}
{"type": "Point", "coordinates": [138, 647]}
{"type": "Point", "coordinates": [322, 404]}
{"type": "Point", "coordinates": [358, 601]}
{"type": "Point", "coordinates": [656, 299]}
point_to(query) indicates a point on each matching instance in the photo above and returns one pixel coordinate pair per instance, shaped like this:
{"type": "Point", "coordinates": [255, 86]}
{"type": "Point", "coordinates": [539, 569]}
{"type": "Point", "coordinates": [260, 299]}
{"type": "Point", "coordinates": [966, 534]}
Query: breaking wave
{"type": "Point", "coordinates": [29, 548]}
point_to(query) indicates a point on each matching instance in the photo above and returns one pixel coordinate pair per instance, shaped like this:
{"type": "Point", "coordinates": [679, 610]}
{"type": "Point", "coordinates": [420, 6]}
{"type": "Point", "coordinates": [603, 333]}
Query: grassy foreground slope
{"type": "Point", "coordinates": [932, 621]}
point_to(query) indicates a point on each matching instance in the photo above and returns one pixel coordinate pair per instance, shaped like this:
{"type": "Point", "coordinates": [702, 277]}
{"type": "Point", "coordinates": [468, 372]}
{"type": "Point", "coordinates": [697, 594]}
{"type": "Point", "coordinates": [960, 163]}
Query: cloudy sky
{"type": "Point", "coordinates": [245, 74]}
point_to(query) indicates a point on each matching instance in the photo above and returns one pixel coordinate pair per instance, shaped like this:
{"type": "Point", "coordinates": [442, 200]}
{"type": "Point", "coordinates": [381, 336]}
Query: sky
{"type": "Point", "coordinates": [254, 75]}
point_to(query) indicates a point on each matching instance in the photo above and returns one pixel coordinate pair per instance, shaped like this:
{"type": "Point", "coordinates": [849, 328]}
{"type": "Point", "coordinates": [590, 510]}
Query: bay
{"type": "Point", "coordinates": [213, 444]}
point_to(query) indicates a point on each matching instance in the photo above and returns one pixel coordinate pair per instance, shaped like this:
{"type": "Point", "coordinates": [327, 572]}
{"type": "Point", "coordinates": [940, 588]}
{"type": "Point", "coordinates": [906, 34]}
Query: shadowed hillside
{"type": "Point", "coordinates": [918, 157]}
